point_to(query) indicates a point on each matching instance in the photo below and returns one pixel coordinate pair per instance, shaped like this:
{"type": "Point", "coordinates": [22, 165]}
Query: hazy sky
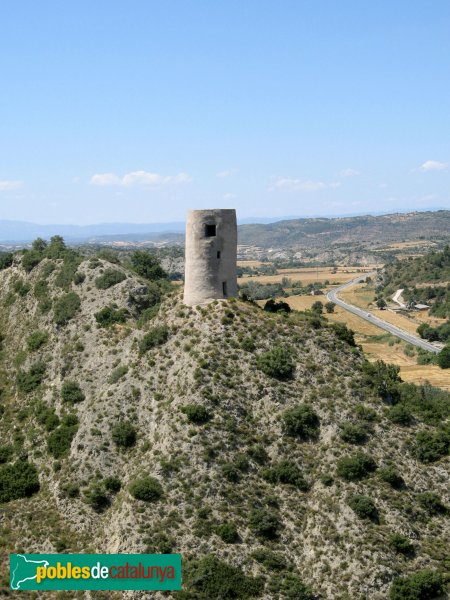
{"type": "Point", "coordinates": [135, 111]}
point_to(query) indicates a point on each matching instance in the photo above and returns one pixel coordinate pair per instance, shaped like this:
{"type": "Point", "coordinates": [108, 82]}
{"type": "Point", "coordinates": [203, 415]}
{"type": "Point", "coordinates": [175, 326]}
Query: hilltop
{"type": "Point", "coordinates": [261, 446]}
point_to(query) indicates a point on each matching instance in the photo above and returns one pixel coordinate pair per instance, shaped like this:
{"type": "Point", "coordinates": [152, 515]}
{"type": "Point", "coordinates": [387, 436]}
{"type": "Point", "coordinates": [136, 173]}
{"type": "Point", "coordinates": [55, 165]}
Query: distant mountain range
{"type": "Point", "coordinates": [314, 232]}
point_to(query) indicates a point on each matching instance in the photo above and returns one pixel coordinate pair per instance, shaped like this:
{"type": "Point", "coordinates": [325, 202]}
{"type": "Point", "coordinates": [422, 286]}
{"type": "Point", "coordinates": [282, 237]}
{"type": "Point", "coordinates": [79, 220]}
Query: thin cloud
{"type": "Point", "coordinates": [226, 173]}
{"type": "Point", "coordinates": [298, 185]}
{"type": "Point", "coordinates": [7, 185]}
{"type": "Point", "coordinates": [229, 196]}
{"type": "Point", "coordinates": [433, 165]}
{"type": "Point", "coordinates": [138, 178]}
{"type": "Point", "coordinates": [349, 173]}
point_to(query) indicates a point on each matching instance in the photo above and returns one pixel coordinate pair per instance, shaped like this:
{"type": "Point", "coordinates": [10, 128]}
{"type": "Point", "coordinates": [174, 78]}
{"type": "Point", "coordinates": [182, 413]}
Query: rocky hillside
{"type": "Point", "coordinates": [260, 446]}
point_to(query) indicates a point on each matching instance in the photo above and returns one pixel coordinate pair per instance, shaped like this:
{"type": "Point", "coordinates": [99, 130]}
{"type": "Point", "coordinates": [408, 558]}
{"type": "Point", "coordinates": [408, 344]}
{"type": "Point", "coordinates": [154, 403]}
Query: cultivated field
{"type": "Point", "coordinates": [308, 275]}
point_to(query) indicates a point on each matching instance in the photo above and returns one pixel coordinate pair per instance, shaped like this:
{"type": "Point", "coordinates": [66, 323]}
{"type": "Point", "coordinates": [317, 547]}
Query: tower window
{"type": "Point", "coordinates": [218, 253]}
{"type": "Point", "coordinates": [210, 230]}
{"type": "Point", "coordinates": [224, 289]}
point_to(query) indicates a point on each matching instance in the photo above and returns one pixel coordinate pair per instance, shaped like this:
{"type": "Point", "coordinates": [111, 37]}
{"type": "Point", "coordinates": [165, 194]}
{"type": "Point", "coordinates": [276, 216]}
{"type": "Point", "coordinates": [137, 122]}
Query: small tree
{"type": "Point", "coordinates": [124, 434]}
{"type": "Point", "coordinates": [364, 507]}
{"type": "Point", "coordinates": [301, 422]}
{"type": "Point", "coordinates": [317, 307]}
{"type": "Point", "coordinates": [147, 265]}
{"type": "Point", "coordinates": [443, 358]}
{"type": "Point", "coordinates": [147, 489]}
{"type": "Point", "coordinates": [276, 363]}
{"type": "Point", "coordinates": [381, 303]}
{"type": "Point", "coordinates": [329, 307]}
{"type": "Point", "coordinates": [71, 392]}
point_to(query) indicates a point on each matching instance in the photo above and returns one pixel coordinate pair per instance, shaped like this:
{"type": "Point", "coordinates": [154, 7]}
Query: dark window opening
{"type": "Point", "coordinates": [224, 289]}
{"type": "Point", "coordinates": [218, 253]}
{"type": "Point", "coordinates": [210, 230]}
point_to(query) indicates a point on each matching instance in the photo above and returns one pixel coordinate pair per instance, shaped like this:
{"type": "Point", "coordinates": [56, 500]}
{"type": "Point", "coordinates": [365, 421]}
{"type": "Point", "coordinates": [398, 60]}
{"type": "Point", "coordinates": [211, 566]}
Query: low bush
{"type": "Point", "coordinates": [430, 446]}
{"type": "Point", "coordinates": [97, 497]}
{"type": "Point", "coordinates": [18, 480]}
{"type": "Point", "coordinates": [118, 373]}
{"type": "Point", "coordinates": [112, 484]}
{"type": "Point", "coordinates": [286, 472]}
{"type": "Point", "coordinates": [391, 476]}
{"type": "Point", "coordinates": [354, 433]}
{"type": "Point", "coordinates": [109, 278]}
{"type": "Point", "coordinates": [231, 472]}
{"type": "Point", "coordinates": [422, 585]}
{"type": "Point", "coordinates": [264, 523]}
{"type": "Point", "coordinates": [400, 414]}
{"type": "Point", "coordinates": [344, 333]}
{"type": "Point", "coordinates": [124, 434]}
{"type": "Point", "coordinates": [154, 337]}
{"type": "Point", "coordinates": [276, 363]}
{"type": "Point", "coordinates": [401, 544]}
{"type": "Point", "coordinates": [147, 489]}
{"type": "Point", "coordinates": [71, 392]}
{"type": "Point", "coordinates": [60, 439]}
{"type": "Point", "coordinates": [110, 315]}
{"type": "Point", "coordinates": [271, 560]}
{"type": "Point", "coordinates": [66, 307]}
{"type": "Point", "coordinates": [47, 417]}
{"type": "Point", "coordinates": [358, 466]}
{"type": "Point", "coordinates": [6, 453]}
{"type": "Point", "coordinates": [290, 587]}
{"type": "Point", "coordinates": [301, 422]}
{"type": "Point", "coordinates": [431, 502]}
{"type": "Point", "coordinates": [228, 532]}
{"type": "Point", "coordinates": [196, 413]}
{"type": "Point", "coordinates": [28, 381]}
{"type": "Point", "coordinates": [210, 578]}
{"type": "Point", "coordinates": [364, 507]}
{"type": "Point", "coordinates": [273, 307]}
{"type": "Point", "coordinates": [36, 340]}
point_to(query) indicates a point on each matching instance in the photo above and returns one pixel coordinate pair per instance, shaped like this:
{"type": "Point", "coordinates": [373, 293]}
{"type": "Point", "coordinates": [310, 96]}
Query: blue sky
{"type": "Point", "coordinates": [136, 111]}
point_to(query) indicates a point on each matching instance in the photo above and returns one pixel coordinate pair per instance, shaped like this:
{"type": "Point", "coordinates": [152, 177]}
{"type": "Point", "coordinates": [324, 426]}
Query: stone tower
{"type": "Point", "coordinates": [211, 252]}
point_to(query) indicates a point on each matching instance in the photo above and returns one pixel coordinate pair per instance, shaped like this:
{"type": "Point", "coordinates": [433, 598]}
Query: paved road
{"type": "Point", "coordinates": [404, 335]}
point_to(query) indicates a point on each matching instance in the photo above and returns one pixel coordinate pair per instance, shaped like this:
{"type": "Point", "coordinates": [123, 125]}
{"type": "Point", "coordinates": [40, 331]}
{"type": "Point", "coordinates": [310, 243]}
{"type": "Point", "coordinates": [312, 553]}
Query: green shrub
{"type": "Point", "coordinates": [110, 315]}
{"type": "Point", "coordinates": [286, 472]}
{"type": "Point", "coordinates": [422, 585]}
{"type": "Point", "coordinates": [147, 265]}
{"type": "Point", "coordinates": [401, 544]}
{"type": "Point", "coordinates": [271, 560]}
{"type": "Point", "coordinates": [109, 278]}
{"type": "Point", "coordinates": [231, 472]}
{"type": "Point", "coordinates": [301, 422]}
{"type": "Point", "coordinates": [431, 502]}
{"type": "Point", "coordinates": [354, 433]}
{"type": "Point", "coordinates": [228, 532]}
{"type": "Point", "coordinates": [264, 523]}
{"type": "Point", "coordinates": [31, 259]}
{"type": "Point", "coordinates": [210, 578]}
{"type": "Point", "coordinates": [71, 490]}
{"type": "Point", "coordinates": [6, 260]}
{"type": "Point", "coordinates": [155, 337]}
{"type": "Point", "coordinates": [443, 358]}
{"type": "Point", "coordinates": [273, 307]}
{"type": "Point", "coordinates": [18, 480]}
{"type": "Point", "coordinates": [124, 434]}
{"type": "Point", "coordinates": [146, 488]}
{"type": "Point", "coordinates": [47, 417]}
{"type": "Point", "coordinates": [344, 333]}
{"type": "Point", "coordinates": [28, 381]}
{"type": "Point", "coordinates": [21, 288]}
{"type": "Point", "coordinates": [6, 453]}
{"type": "Point", "coordinates": [112, 484]}
{"type": "Point", "coordinates": [60, 439]}
{"type": "Point", "coordinates": [66, 307]}
{"type": "Point", "coordinates": [430, 446]}
{"type": "Point", "coordinates": [276, 363]}
{"type": "Point", "coordinates": [118, 373]}
{"type": "Point", "coordinates": [97, 497]}
{"type": "Point", "coordinates": [400, 414]}
{"type": "Point", "coordinates": [196, 413]}
{"type": "Point", "coordinates": [390, 475]}
{"type": "Point", "coordinates": [364, 507]}
{"type": "Point", "coordinates": [355, 467]}
{"type": "Point", "coordinates": [290, 587]}
{"type": "Point", "coordinates": [36, 340]}
{"type": "Point", "coordinates": [365, 413]}
{"type": "Point", "coordinates": [71, 392]}
{"type": "Point", "coordinates": [248, 344]}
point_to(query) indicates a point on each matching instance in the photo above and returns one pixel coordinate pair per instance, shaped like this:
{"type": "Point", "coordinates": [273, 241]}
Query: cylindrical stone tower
{"type": "Point", "coordinates": [211, 252]}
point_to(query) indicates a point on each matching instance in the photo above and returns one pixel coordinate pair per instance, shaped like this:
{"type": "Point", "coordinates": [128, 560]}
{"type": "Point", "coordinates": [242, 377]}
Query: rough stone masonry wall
{"type": "Point", "coordinates": [210, 271]}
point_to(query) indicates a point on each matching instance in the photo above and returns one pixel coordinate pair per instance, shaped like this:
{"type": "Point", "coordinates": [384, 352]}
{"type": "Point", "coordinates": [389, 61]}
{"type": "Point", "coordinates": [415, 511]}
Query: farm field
{"type": "Point", "coordinates": [308, 275]}
{"type": "Point", "coordinates": [379, 345]}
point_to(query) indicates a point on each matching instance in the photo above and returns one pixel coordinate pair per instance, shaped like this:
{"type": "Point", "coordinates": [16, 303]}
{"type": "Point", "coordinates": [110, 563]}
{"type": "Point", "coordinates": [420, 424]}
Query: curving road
{"type": "Point", "coordinates": [359, 312]}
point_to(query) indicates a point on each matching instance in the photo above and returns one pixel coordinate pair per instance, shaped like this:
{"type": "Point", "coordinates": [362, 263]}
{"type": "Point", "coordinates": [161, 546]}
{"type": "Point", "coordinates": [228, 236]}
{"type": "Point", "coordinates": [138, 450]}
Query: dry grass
{"type": "Point", "coordinates": [251, 263]}
{"type": "Point", "coordinates": [421, 373]}
{"type": "Point", "coordinates": [308, 275]}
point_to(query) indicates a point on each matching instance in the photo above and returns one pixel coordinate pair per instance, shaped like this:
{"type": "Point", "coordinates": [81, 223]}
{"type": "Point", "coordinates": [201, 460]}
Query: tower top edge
{"type": "Point", "coordinates": [211, 211]}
